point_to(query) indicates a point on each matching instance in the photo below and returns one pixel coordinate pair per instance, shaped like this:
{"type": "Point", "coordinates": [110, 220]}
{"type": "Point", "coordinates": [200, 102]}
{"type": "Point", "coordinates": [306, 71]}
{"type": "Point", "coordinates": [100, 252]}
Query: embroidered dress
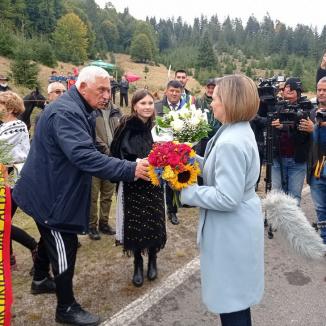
{"type": "Point", "coordinates": [140, 206]}
{"type": "Point", "coordinates": [15, 133]}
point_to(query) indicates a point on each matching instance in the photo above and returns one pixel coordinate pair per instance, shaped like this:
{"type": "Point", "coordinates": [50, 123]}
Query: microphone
{"type": "Point", "coordinates": [287, 217]}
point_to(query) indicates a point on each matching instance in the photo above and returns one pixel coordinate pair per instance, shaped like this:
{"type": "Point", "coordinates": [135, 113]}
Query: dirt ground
{"type": "Point", "coordinates": [102, 279]}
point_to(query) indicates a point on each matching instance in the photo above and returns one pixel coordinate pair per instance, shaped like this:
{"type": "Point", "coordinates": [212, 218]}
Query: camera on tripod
{"type": "Point", "coordinates": [268, 89]}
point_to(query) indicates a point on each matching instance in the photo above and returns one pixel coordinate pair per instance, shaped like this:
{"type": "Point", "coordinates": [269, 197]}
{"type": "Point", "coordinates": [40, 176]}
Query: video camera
{"type": "Point", "coordinates": [273, 107]}
{"type": "Point", "coordinates": [321, 116]}
{"type": "Point", "coordinates": [268, 89]}
{"type": "Point", "coordinates": [291, 114]}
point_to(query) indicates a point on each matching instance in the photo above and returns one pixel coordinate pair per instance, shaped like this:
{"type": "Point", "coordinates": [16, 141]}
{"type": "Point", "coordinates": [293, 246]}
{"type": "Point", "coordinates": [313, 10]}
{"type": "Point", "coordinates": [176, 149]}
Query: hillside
{"type": "Point", "coordinates": [156, 77]}
{"type": "Point", "coordinates": [44, 73]}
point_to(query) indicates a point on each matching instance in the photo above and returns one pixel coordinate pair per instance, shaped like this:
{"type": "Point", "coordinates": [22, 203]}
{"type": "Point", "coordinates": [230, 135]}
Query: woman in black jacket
{"type": "Point", "coordinates": [140, 208]}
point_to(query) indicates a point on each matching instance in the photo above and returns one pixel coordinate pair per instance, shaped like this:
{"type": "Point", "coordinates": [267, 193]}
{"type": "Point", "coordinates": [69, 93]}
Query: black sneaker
{"type": "Point", "coordinates": [76, 315]}
{"type": "Point", "coordinates": [106, 229]}
{"type": "Point", "coordinates": [47, 285]}
{"type": "Point", "coordinates": [94, 234]}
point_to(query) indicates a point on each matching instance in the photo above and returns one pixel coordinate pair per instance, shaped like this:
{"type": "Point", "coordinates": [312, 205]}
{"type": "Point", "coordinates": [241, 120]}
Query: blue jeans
{"type": "Point", "coordinates": [293, 177]}
{"type": "Point", "coordinates": [318, 194]}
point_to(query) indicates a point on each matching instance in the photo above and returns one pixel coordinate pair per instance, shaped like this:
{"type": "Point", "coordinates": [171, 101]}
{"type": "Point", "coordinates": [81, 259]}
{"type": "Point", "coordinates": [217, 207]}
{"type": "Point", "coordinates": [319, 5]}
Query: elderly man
{"type": "Point", "coordinates": [55, 185]}
{"type": "Point", "coordinates": [55, 90]}
{"type": "Point", "coordinates": [4, 84]}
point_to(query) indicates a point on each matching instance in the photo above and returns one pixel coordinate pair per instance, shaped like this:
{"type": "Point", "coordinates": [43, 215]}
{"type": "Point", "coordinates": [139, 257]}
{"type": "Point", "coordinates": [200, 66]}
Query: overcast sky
{"type": "Point", "coordinates": [311, 12]}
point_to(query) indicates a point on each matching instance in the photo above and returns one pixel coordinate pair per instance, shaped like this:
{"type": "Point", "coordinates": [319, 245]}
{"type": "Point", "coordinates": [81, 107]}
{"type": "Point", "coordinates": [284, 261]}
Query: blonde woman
{"type": "Point", "coordinates": [231, 231]}
{"type": "Point", "coordinates": [14, 132]}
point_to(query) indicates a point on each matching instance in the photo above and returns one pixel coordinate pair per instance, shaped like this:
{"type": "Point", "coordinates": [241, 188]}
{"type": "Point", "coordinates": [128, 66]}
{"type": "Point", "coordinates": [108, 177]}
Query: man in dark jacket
{"type": "Point", "coordinates": [114, 87]}
{"type": "Point", "coordinates": [124, 87]}
{"type": "Point", "coordinates": [55, 185]}
{"type": "Point", "coordinates": [292, 143]}
{"type": "Point", "coordinates": [182, 77]}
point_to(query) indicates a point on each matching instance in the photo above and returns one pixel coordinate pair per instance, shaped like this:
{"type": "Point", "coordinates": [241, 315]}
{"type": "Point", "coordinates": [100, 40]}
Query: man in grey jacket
{"type": "Point", "coordinates": [55, 185]}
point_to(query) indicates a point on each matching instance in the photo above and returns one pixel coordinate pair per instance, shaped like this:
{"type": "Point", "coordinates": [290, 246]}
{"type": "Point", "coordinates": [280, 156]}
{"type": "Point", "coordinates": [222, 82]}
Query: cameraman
{"type": "Point", "coordinates": [292, 143]}
{"type": "Point", "coordinates": [316, 175]}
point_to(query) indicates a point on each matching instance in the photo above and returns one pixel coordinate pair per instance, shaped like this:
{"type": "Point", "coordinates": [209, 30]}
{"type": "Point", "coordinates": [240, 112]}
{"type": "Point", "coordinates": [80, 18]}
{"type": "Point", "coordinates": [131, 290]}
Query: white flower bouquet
{"type": "Point", "coordinates": [187, 125]}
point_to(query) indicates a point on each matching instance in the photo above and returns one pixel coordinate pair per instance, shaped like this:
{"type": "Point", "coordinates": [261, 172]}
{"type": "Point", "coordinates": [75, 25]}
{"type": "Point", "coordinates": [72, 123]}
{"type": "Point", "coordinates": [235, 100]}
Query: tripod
{"type": "Point", "coordinates": [269, 163]}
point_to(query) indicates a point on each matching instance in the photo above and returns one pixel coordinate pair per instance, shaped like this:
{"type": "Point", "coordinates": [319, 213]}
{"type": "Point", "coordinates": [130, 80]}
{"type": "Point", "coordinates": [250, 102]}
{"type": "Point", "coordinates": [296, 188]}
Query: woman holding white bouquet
{"type": "Point", "coordinates": [231, 230]}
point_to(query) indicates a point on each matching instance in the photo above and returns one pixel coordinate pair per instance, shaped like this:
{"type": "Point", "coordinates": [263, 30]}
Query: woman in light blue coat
{"type": "Point", "coordinates": [231, 230]}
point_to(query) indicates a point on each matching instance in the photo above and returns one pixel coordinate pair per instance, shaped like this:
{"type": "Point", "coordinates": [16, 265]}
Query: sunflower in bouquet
{"type": "Point", "coordinates": [173, 163]}
{"type": "Point", "coordinates": [187, 125]}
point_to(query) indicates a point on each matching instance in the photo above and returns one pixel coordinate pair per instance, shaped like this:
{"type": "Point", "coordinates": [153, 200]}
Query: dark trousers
{"type": "Point", "coordinates": [22, 237]}
{"type": "Point", "coordinates": [58, 249]}
{"type": "Point", "coordinates": [113, 92]}
{"type": "Point", "coordinates": [19, 235]}
{"type": "Point", "coordinates": [171, 207]}
{"type": "Point", "coordinates": [237, 318]}
{"type": "Point", "coordinates": [123, 97]}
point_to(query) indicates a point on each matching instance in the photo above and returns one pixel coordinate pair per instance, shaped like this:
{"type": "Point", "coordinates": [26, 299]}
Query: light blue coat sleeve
{"type": "Point", "coordinates": [200, 161]}
{"type": "Point", "coordinates": [227, 190]}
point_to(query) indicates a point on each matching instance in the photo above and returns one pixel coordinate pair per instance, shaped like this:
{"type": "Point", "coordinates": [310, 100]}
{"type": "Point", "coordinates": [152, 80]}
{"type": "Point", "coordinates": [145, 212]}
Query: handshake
{"type": "Point", "coordinates": [142, 169]}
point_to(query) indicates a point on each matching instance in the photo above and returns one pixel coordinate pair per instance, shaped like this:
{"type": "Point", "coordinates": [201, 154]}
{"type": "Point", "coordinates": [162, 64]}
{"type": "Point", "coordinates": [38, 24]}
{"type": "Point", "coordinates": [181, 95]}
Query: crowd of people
{"type": "Point", "coordinates": [84, 149]}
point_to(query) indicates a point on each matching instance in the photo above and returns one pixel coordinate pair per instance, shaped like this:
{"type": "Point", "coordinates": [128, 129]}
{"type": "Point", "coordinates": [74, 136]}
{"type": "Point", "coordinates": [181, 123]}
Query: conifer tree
{"type": "Point", "coordinates": [206, 56]}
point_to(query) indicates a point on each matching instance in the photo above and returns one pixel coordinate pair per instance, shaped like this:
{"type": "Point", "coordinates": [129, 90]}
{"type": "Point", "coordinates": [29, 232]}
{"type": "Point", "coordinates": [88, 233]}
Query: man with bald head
{"type": "Point", "coordinates": [55, 185]}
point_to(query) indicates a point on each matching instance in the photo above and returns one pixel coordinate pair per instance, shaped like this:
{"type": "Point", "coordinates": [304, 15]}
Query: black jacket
{"type": "Point", "coordinates": [132, 139]}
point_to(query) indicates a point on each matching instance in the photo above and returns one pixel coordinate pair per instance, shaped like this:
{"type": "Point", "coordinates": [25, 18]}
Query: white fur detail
{"type": "Point", "coordinates": [285, 216]}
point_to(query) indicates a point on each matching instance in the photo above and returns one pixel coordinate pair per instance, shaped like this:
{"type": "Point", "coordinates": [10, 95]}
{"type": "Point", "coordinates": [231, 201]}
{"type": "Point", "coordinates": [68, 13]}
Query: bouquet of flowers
{"type": "Point", "coordinates": [173, 163]}
{"type": "Point", "coordinates": [188, 124]}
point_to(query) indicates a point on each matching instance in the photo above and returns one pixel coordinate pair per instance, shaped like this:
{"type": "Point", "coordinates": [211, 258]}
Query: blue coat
{"type": "Point", "coordinates": [55, 183]}
{"type": "Point", "coordinates": [231, 230]}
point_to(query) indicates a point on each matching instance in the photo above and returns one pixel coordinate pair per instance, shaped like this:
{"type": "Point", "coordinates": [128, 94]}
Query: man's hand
{"type": "Point", "coordinates": [142, 170]}
{"type": "Point", "coordinates": [276, 123]}
{"type": "Point", "coordinates": [306, 125]}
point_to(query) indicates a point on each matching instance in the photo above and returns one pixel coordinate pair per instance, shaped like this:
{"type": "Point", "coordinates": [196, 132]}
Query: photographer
{"type": "Point", "coordinates": [316, 175]}
{"type": "Point", "coordinates": [291, 142]}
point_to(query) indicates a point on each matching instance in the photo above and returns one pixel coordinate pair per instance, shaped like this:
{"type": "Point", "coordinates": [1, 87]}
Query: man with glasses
{"type": "Point", "coordinates": [55, 90]}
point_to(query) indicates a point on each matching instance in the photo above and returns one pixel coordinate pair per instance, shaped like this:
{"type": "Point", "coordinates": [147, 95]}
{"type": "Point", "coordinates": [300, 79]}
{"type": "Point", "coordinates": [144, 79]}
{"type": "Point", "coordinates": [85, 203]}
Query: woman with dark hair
{"type": "Point", "coordinates": [140, 208]}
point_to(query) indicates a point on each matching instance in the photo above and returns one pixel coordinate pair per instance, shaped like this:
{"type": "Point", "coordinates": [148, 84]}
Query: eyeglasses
{"type": "Point", "coordinates": [58, 91]}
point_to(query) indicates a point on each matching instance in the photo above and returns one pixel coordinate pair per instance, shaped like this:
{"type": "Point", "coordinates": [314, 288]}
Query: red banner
{"type": "Point", "coordinates": [5, 227]}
